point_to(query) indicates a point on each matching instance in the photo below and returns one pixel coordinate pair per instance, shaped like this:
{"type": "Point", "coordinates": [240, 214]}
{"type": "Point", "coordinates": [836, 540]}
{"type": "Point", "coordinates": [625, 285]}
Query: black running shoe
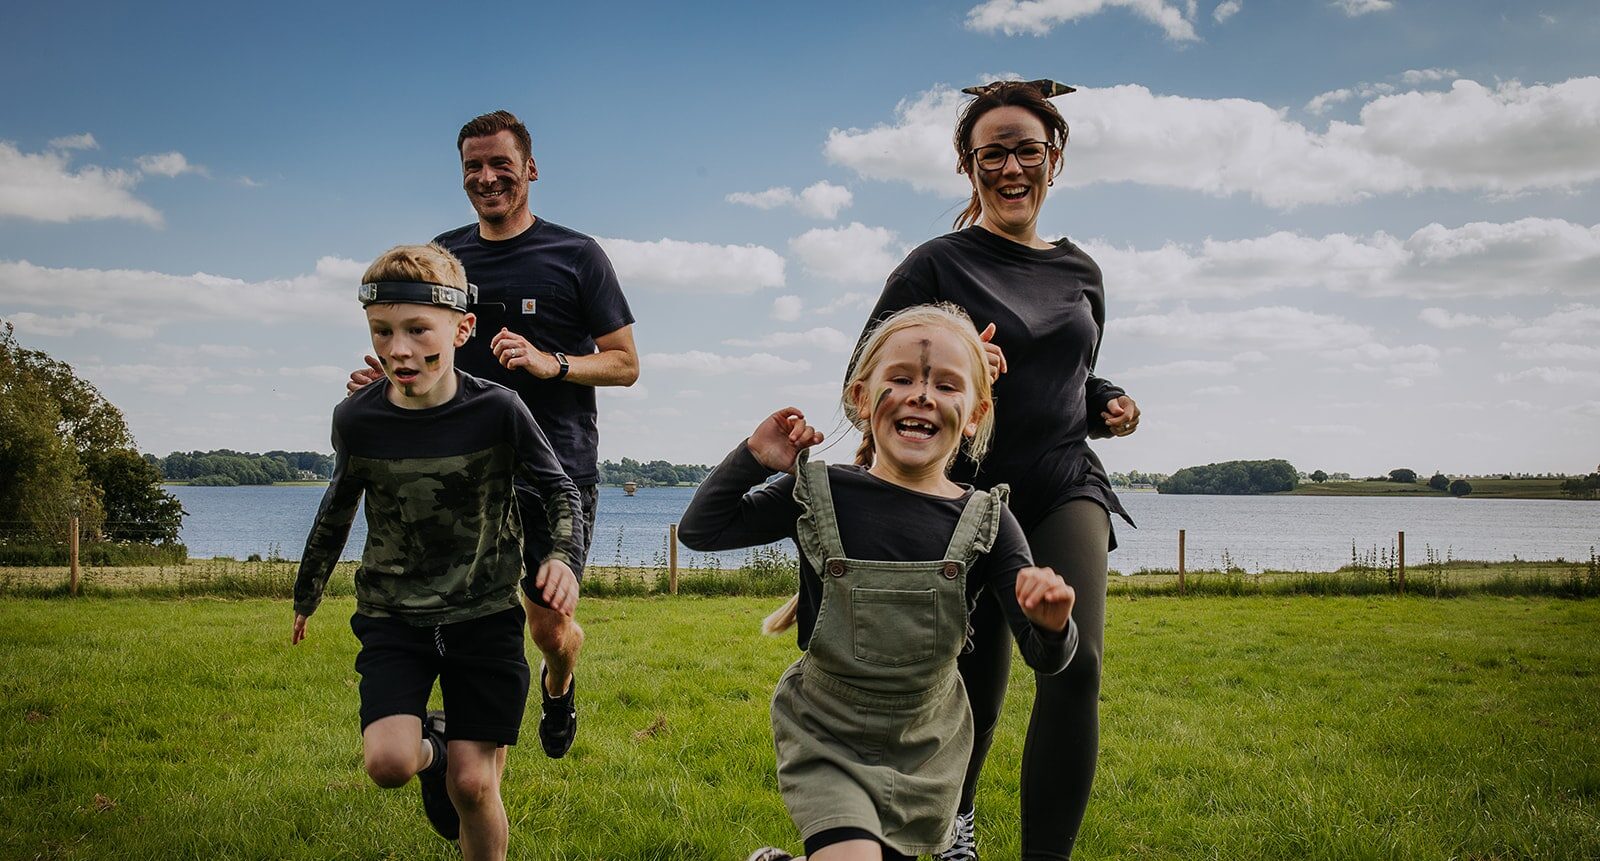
{"type": "Point", "coordinates": [436, 802]}
{"type": "Point", "coordinates": [558, 725]}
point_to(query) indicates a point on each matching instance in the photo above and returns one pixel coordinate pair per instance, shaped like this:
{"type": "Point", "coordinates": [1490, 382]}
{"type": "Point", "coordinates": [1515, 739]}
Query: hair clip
{"type": "Point", "coordinates": [1046, 87]}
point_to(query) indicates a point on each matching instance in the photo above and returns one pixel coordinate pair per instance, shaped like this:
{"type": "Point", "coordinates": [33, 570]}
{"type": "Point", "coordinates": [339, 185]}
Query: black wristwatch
{"type": "Point", "coordinates": [561, 359]}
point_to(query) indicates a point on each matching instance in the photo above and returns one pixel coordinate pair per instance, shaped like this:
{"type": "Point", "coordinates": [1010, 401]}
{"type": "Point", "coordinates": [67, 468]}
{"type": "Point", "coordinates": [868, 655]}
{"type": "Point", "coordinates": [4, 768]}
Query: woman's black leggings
{"type": "Point", "coordinates": [1063, 741]}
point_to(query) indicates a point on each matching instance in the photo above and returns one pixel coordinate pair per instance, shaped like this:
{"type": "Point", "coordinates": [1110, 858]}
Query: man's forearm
{"type": "Point", "coordinates": [605, 368]}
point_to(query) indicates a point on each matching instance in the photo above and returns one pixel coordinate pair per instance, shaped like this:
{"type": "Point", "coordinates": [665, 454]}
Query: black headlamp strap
{"type": "Point", "coordinates": [419, 293]}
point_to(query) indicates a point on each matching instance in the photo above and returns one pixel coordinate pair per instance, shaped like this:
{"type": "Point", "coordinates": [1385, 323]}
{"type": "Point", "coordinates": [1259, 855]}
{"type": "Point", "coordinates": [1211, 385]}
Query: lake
{"type": "Point", "coordinates": [1301, 533]}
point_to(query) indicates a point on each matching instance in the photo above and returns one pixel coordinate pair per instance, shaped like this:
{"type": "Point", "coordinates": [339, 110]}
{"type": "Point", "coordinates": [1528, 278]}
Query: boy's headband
{"type": "Point", "coordinates": [1046, 87]}
{"type": "Point", "coordinates": [419, 293]}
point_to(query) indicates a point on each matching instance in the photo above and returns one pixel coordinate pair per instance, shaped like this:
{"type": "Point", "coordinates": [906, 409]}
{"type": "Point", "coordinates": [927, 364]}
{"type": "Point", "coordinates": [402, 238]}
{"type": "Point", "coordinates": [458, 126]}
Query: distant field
{"type": "Point", "coordinates": [1486, 488]}
{"type": "Point", "coordinates": [1339, 729]}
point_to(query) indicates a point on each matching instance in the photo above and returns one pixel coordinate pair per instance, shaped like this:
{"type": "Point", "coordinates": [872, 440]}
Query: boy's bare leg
{"type": "Point", "coordinates": [559, 639]}
{"type": "Point", "coordinates": [393, 750]}
{"type": "Point", "coordinates": [849, 850]}
{"type": "Point", "coordinates": [473, 779]}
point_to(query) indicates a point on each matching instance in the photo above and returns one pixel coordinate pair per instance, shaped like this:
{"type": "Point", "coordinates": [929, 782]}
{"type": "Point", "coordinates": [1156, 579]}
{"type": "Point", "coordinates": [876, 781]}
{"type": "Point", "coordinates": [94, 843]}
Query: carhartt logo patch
{"type": "Point", "coordinates": [530, 306]}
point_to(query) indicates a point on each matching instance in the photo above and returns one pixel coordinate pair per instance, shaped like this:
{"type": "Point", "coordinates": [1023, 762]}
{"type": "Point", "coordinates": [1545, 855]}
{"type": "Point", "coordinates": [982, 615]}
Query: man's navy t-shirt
{"type": "Point", "coordinates": [555, 287]}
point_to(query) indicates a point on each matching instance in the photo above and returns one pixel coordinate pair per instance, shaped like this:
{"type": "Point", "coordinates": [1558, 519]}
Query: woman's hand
{"type": "Point", "coordinates": [992, 352]}
{"type": "Point", "coordinates": [1121, 415]}
{"type": "Point", "coordinates": [778, 440]}
{"type": "Point", "coordinates": [1045, 598]}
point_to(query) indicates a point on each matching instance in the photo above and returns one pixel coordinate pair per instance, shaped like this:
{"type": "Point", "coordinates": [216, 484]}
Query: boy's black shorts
{"type": "Point", "coordinates": [479, 663]}
{"type": "Point", "coordinates": [536, 543]}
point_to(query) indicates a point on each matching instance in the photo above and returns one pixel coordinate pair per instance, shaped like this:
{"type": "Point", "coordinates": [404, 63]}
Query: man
{"type": "Point", "coordinates": [553, 324]}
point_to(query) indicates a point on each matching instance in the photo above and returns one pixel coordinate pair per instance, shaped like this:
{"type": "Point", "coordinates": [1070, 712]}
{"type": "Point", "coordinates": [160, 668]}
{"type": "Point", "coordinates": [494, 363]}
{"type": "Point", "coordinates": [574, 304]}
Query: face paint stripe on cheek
{"type": "Point", "coordinates": [432, 360]}
{"type": "Point", "coordinates": [382, 361]}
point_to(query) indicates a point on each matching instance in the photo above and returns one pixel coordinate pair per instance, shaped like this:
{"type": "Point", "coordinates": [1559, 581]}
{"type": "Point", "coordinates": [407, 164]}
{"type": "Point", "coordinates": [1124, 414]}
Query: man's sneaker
{"type": "Point", "coordinates": [769, 853]}
{"type": "Point", "coordinates": [966, 846]}
{"type": "Point", "coordinates": [558, 725]}
{"type": "Point", "coordinates": [436, 802]}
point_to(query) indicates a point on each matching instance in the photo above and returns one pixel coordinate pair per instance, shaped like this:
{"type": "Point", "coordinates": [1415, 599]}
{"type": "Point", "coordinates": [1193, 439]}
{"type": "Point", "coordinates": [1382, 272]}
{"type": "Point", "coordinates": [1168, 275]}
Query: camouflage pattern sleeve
{"type": "Point", "coordinates": [328, 531]}
{"type": "Point", "coordinates": [537, 465]}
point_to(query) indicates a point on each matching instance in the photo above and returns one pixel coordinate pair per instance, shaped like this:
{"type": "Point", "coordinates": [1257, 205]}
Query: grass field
{"type": "Point", "coordinates": [1482, 488]}
{"type": "Point", "coordinates": [1246, 728]}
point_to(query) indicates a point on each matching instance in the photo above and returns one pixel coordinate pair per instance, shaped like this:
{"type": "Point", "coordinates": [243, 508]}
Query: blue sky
{"type": "Point", "coordinates": [1356, 234]}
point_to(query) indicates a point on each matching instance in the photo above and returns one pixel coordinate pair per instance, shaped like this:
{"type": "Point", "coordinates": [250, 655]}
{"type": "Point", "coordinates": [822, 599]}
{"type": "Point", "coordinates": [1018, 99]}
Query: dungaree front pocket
{"type": "Point", "coordinates": [894, 627]}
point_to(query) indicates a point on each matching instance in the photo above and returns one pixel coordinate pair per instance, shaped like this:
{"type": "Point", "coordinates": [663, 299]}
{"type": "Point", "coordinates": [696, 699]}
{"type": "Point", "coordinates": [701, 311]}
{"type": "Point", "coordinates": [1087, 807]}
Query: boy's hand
{"type": "Point", "coordinates": [558, 586]}
{"type": "Point", "coordinates": [372, 373]}
{"type": "Point", "coordinates": [299, 629]}
{"type": "Point", "coordinates": [515, 353]}
{"type": "Point", "coordinates": [1046, 599]}
{"type": "Point", "coordinates": [779, 439]}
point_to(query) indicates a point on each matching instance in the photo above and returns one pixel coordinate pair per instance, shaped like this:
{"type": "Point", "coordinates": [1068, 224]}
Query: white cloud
{"type": "Point", "coordinates": [714, 364]}
{"type": "Point", "coordinates": [1412, 77]}
{"type": "Point", "coordinates": [854, 301]}
{"type": "Point", "coordinates": [168, 164]}
{"type": "Point", "coordinates": [1569, 323]}
{"type": "Point", "coordinates": [1218, 390]}
{"type": "Point", "coordinates": [149, 300]}
{"type": "Point", "coordinates": [1552, 352]}
{"type": "Point", "coordinates": [694, 267]}
{"type": "Point", "coordinates": [1330, 430]}
{"type": "Point", "coordinates": [1470, 138]}
{"type": "Point", "coordinates": [855, 253]}
{"type": "Point", "coordinates": [71, 324]}
{"type": "Point", "coordinates": [1439, 318]}
{"type": "Point", "coordinates": [230, 389]}
{"type": "Point", "coordinates": [157, 379]}
{"type": "Point", "coordinates": [825, 338]}
{"type": "Point", "coordinates": [821, 200]}
{"type": "Point", "coordinates": [1528, 257]}
{"type": "Point", "coordinates": [1038, 17]}
{"type": "Point", "coordinates": [1556, 376]}
{"type": "Point", "coordinates": [1320, 104]}
{"type": "Point", "coordinates": [1275, 328]}
{"type": "Point", "coordinates": [1183, 367]}
{"type": "Point", "coordinates": [1226, 9]}
{"type": "Point", "coordinates": [43, 187]}
{"type": "Point", "coordinates": [787, 308]}
{"type": "Point", "coordinates": [83, 141]}
{"type": "Point", "coordinates": [1354, 8]}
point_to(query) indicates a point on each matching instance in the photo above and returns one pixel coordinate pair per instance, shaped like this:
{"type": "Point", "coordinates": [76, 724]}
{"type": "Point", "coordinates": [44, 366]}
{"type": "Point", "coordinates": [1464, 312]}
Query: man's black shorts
{"type": "Point", "coordinates": [479, 663]}
{"type": "Point", "coordinates": [536, 544]}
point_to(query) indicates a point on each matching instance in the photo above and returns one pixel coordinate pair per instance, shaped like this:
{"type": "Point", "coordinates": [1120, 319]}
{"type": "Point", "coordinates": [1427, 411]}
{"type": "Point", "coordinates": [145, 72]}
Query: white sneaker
{"type": "Point", "coordinates": [769, 853]}
{"type": "Point", "coordinates": [966, 846]}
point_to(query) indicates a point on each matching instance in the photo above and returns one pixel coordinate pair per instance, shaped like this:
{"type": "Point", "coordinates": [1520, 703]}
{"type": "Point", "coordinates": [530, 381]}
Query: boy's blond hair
{"type": "Point", "coordinates": [429, 263]}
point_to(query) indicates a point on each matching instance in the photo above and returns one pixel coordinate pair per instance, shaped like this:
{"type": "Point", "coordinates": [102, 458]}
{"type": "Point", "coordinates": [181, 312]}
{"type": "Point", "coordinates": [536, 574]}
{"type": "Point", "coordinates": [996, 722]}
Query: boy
{"type": "Point", "coordinates": [434, 451]}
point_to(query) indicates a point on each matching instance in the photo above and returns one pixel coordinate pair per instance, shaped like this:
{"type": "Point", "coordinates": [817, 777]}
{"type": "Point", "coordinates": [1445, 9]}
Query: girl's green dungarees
{"type": "Point", "coordinates": [871, 725]}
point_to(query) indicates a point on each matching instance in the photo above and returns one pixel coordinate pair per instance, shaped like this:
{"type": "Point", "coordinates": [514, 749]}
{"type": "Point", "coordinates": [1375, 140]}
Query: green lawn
{"type": "Point", "coordinates": [1482, 488]}
{"type": "Point", "coordinates": [1239, 728]}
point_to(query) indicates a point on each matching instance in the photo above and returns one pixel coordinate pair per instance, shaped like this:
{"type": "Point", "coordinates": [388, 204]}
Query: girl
{"type": "Point", "coordinates": [871, 724]}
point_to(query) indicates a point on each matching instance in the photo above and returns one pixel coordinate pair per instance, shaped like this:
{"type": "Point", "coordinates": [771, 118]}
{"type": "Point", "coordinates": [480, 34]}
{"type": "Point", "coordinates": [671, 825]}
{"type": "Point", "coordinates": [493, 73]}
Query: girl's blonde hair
{"type": "Point", "coordinates": [940, 315]}
{"type": "Point", "coordinates": [943, 315]}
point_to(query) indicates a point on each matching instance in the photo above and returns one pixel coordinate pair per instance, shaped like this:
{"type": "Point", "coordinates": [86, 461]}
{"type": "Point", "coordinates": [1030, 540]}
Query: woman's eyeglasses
{"type": "Point", "coordinates": [993, 156]}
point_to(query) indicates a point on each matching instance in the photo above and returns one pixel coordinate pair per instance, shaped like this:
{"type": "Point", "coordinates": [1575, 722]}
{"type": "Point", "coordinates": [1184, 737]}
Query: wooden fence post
{"type": "Point", "coordinates": [1182, 590]}
{"type": "Point", "coordinates": [72, 555]}
{"type": "Point", "coordinates": [1402, 561]}
{"type": "Point", "coordinates": [672, 559]}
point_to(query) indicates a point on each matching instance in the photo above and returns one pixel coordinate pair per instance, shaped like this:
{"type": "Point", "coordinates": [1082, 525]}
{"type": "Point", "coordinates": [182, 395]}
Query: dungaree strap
{"type": "Point", "coordinates": [979, 524]}
{"type": "Point", "coordinates": [818, 525]}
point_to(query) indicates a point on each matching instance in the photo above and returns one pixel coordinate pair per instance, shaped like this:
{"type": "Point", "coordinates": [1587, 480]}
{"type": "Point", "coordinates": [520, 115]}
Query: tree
{"type": "Point", "coordinates": [1439, 482]}
{"type": "Point", "coordinates": [1460, 487]}
{"type": "Point", "coordinates": [65, 450]}
{"type": "Point", "coordinates": [1234, 477]}
{"type": "Point", "coordinates": [1319, 476]}
{"type": "Point", "coordinates": [1403, 476]}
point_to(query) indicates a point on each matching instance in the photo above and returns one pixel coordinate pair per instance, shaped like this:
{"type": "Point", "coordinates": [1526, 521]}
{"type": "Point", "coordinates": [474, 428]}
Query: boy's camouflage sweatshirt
{"type": "Point", "coordinates": [444, 539]}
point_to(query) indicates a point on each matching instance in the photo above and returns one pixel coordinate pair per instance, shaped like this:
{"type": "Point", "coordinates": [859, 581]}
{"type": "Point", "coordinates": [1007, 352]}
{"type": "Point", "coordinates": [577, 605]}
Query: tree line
{"type": "Point", "coordinates": [225, 467]}
{"type": "Point", "coordinates": [65, 451]}
{"type": "Point", "coordinates": [656, 473]}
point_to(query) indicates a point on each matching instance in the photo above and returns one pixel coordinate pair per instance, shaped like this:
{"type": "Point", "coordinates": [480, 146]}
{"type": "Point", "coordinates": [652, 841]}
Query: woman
{"type": "Point", "coordinates": [1043, 306]}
